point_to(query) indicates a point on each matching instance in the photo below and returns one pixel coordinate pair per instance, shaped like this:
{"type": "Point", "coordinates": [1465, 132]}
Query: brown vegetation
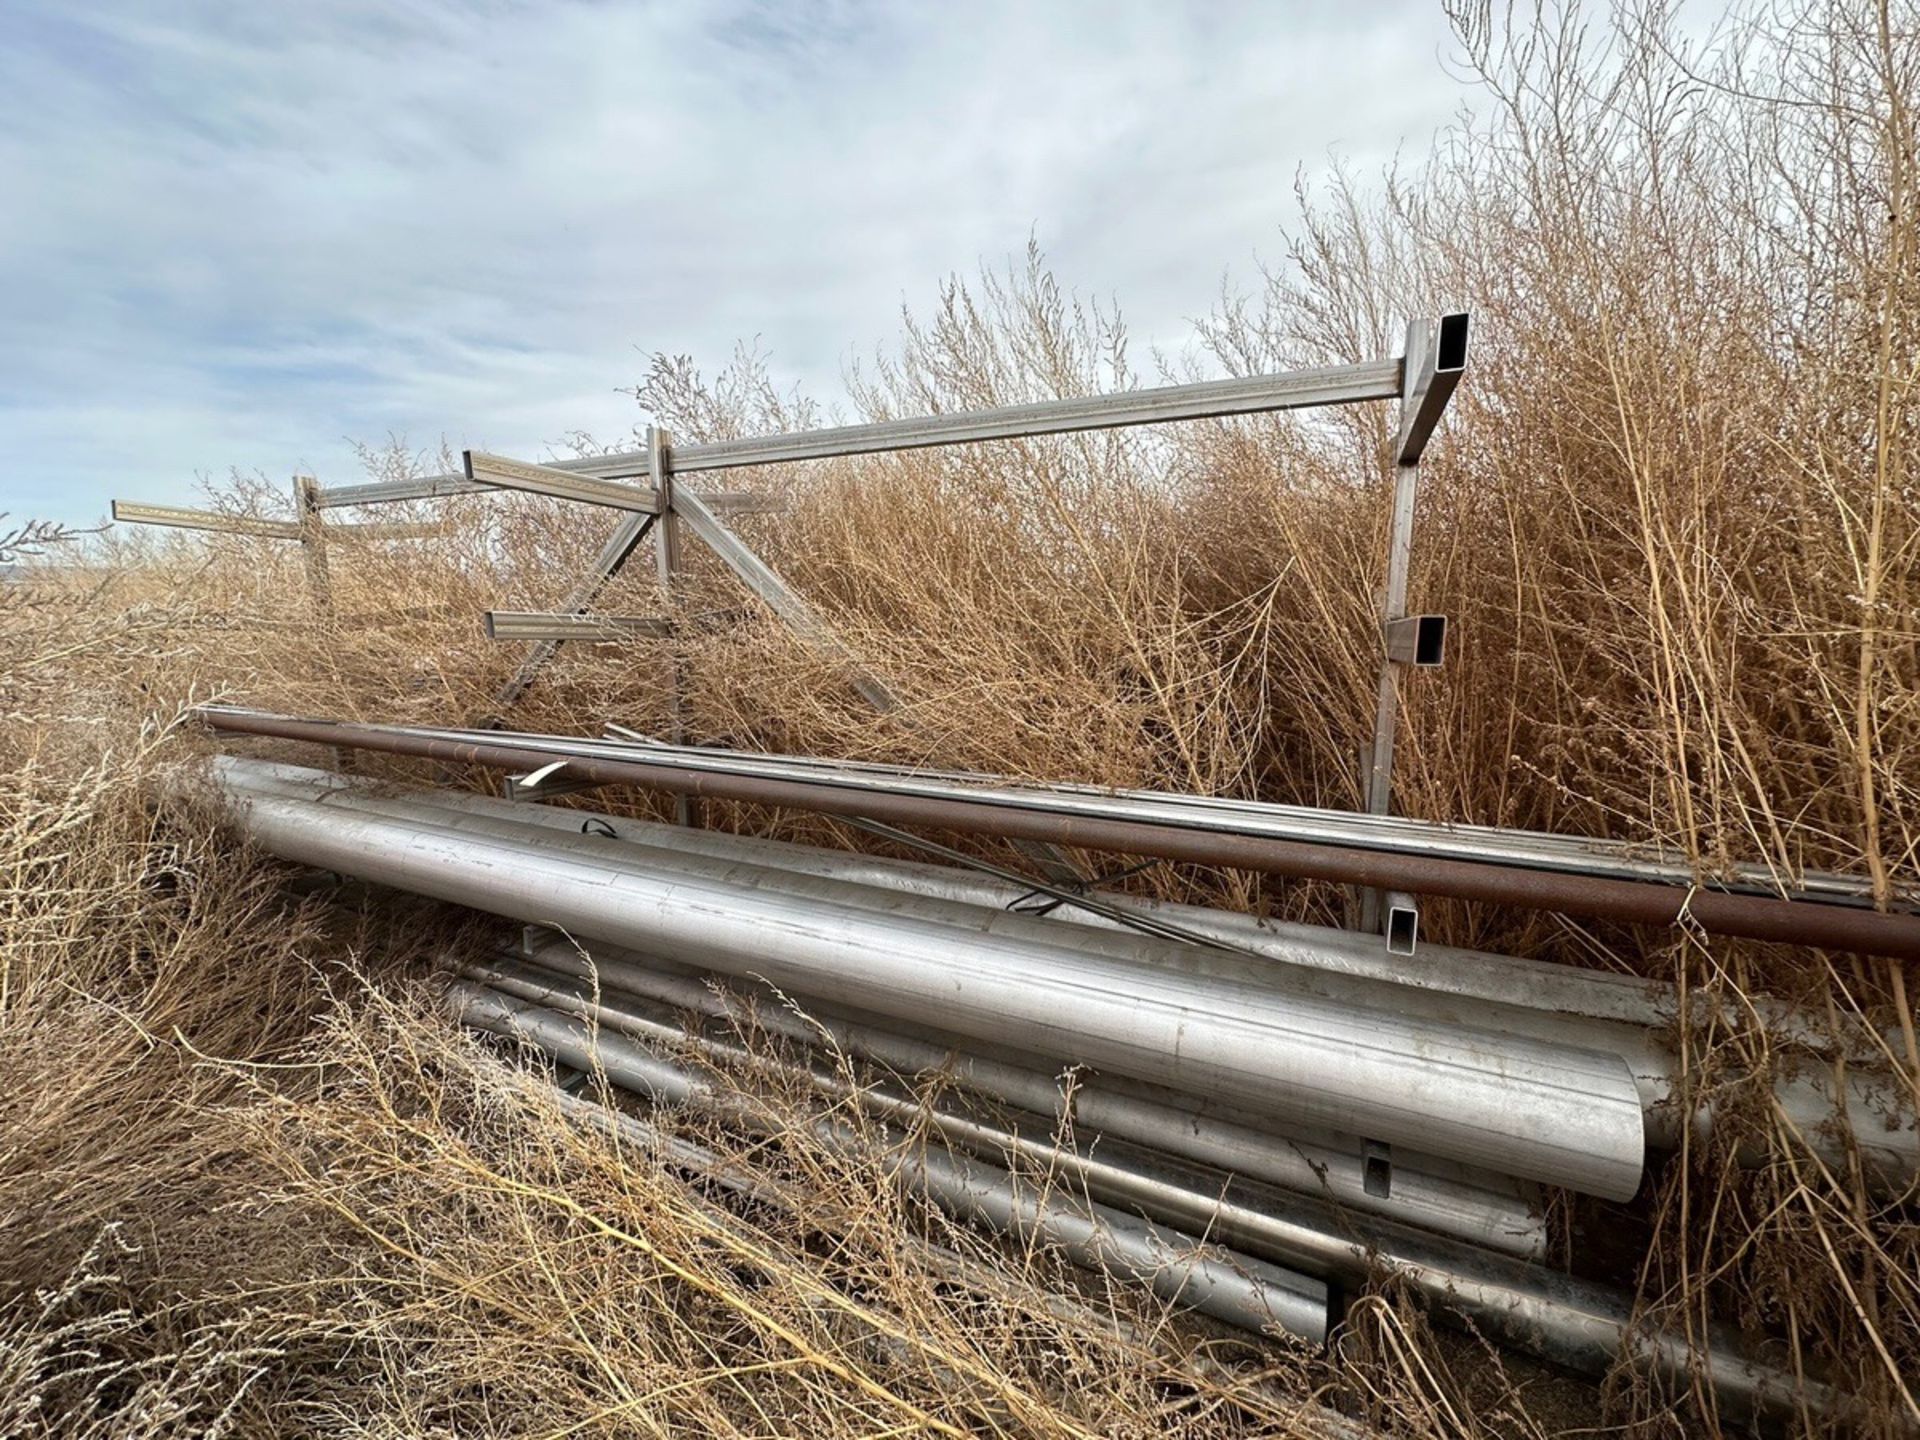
{"type": "Point", "coordinates": [253, 1185]}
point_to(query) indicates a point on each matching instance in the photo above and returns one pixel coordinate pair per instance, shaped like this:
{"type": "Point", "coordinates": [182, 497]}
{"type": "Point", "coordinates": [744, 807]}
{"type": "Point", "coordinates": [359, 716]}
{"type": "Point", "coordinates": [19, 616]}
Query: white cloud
{"type": "Point", "coordinates": [237, 235]}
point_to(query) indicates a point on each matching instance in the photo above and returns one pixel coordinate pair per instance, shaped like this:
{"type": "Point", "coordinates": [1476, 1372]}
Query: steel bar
{"type": "Point", "coordinates": [313, 545]}
{"type": "Point", "coordinates": [1832, 926]}
{"type": "Point", "coordinates": [1237, 1290]}
{"type": "Point", "coordinates": [1431, 386]}
{"type": "Point", "coordinates": [782, 598]}
{"type": "Point", "coordinates": [1023, 1292]}
{"type": "Point", "coordinates": [436, 487]}
{"type": "Point", "coordinates": [552, 625]}
{"type": "Point", "coordinates": [1584, 1326]}
{"type": "Point", "coordinates": [180, 518]}
{"type": "Point", "coordinates": [1332, 385]}
{"type": "Point", "coordinates": [1487, 1210]}
{"type": "Point", "coordinates": [657, 1028]}
{"type": "Point", "coordinates": [674, 504]}
{"type": "Point", "coordinates": [1523, 849]}
{"type": "Point", "coordinates": [1378, 799]}
{"type": "Point", "coordinates": [667, 564]}
{"type": "Point", "coordinates": [130, 513]}
{"type": "Point", "coordinates": [1505, 1103]}
{"type": "Point", "coordinates": [498, 472]}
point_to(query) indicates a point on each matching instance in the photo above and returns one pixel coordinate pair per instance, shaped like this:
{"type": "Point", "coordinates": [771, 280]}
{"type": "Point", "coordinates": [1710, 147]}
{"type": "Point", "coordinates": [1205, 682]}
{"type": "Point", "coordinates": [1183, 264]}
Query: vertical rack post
{"type": "Point", "coordinates": [313, 553]}
{"type": "Point", "coordinates": [1430, 370]}
{"type": "Point", "coordinates": [1393, 601]}
{"type": "Point", "coordinates": [667, 559]}
{"type": "Point", "coordinates": [313, 542]}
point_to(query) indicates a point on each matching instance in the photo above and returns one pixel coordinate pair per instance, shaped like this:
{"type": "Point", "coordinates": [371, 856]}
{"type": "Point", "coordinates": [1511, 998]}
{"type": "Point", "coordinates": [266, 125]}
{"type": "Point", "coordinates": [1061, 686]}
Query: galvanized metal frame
{"type": "Point", "coordinates": [613, 556]}
{"type": "Point", "coordinates": [1422, 380]}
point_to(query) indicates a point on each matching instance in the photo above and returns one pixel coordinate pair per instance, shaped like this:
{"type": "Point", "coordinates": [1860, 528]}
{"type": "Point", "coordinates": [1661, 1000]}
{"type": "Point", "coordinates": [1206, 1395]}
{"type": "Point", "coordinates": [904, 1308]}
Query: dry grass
{"type": "Point", "coordinates": [253, 1185]}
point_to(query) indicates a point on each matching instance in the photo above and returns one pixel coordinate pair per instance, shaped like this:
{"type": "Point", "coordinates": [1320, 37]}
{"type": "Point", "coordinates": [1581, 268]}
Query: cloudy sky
{"type": "Point", "coordinates": [240, 234]}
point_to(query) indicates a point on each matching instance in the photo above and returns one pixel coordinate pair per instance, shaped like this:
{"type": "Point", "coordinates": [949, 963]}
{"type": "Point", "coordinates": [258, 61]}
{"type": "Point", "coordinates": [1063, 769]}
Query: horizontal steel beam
{"type": "Point", "coordinates": [435, 487]}
{"type": "Point", "coordinates": [180, 518]}
{"type": "Point", "coordinates": [1259, 394]}
{"type": "Point", "coordinates": [1585, 1326]}
{"type": "Point", "coordinates": [1301, 1303]}
{"type": "Point", "coordinates": [543, 625]}
{"type": "Point", "coordinates": [805, 1205]}
{"type": "Point", "coordinates": [1235, 1289]}
{"type": "Point", "coordinates": [503, 474]}
{"type": "Point", "coordinates": [1860, 1118]}
{"type": "Point", "coordinates": [129, 512]}
{"type": "Point", "coordinates": [1299, 389]}
{"type": "Point", "coordinates": [1525, 849]}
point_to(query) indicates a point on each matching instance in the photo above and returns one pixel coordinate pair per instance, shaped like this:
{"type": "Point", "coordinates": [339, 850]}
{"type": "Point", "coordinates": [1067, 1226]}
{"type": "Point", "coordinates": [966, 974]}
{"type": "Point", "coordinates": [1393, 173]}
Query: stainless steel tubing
{"type": "Point", "coordinates": [1471, 974]}
{"type": "Point", "coordinates": [1498, 993]}
{"type": "Point", "coordinates": [1426, 1192]}
{"type": "Point", "coordinates": [1237, 1290]}
{"type": "Point", "coordinates": [1554, 1113]}
{"type": "Point", "coordinates": [1584, 1326]}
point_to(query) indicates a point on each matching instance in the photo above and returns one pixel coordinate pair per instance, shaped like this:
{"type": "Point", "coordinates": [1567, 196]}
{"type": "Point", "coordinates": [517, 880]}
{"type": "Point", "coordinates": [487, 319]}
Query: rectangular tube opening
{"type": "Point", "coordinates": [1450, 354]}
{"type": "Point", "coordinates": [1403, 925]}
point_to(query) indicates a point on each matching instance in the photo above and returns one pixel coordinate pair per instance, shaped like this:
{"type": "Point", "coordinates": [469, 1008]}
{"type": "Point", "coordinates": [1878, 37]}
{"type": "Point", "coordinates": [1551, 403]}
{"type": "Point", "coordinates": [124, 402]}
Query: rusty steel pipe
{"type": "Point", "coordinates": [1753, 917]}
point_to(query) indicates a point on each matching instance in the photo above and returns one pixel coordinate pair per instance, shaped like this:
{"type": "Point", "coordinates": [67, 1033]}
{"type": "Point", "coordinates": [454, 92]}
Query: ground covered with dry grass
{"type": "Point", "coordinates": [254, 1185]}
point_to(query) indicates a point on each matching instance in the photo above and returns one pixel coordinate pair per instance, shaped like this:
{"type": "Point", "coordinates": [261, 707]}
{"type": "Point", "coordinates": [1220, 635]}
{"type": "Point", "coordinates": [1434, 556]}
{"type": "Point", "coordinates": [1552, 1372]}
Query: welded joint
{"type": "Point", "coordinates": [1417, 640]}
{"type": "Point", "coordinates": [1403, 923]}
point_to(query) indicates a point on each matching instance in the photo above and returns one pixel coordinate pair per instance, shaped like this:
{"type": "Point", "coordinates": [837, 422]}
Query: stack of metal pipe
{"type": "Point", "coordinates": [1314, 1108]}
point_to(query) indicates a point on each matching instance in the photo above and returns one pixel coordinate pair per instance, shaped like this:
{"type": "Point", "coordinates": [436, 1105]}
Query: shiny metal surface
{"type": "Point", "coordinates": [1566, 854]}
{"type": "Point", "coordinates": [1560, 1114]}
{"type": "Point", "coordinates": [1494, 1213]}
{"type": "Point", "coordinates": [1331, 385]}
{"type": "Point", "coordinates": [1571, 1322]}
{"type": "Point", "coordinates": [1235, 1289]}
{"type": "Point", "coordinates": [1552, 1003]}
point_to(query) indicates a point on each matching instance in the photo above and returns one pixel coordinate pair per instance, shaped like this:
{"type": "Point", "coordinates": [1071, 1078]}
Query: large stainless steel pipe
{"type": "Point", "coordinates": [1336, 965]}
{"type": "Point", "coordinates": [1833, 926]}
{"type": "Point", "coordinates": [1235, 1289]}
{"type": "Point", "coordinates": [1560, 1114]}
{"type": "Point", "coordinates": [1506, 982]}
{"type": "Point", "coordinates": [1471, 974]}
{"type": "Point", "coordinates": [1571, 1322]}
{"type": "Point", "coordinates": [1422, 1191]}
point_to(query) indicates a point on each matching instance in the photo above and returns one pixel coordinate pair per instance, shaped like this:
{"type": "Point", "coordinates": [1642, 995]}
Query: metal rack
{"type": "Point", "coordinates": [646, 485]}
